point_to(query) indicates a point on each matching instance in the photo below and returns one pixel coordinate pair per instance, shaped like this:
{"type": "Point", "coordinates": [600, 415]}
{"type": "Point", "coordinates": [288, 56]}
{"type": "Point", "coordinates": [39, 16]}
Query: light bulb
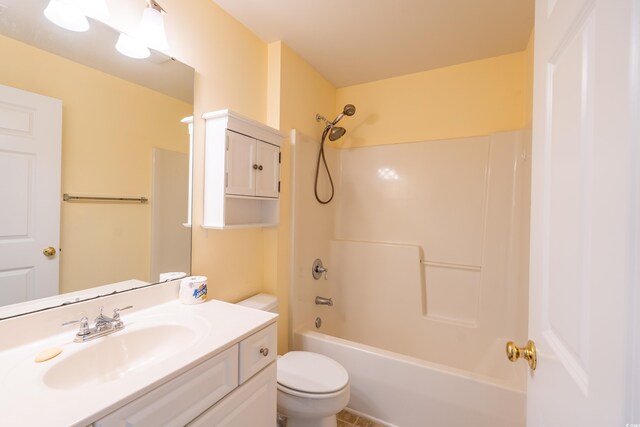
{"type": "Point", "coordinates": [66, 15]}
{"type": "Point", "coordinates": [152, 29]}
{"type": "Point", "coordinates": [131, 47]}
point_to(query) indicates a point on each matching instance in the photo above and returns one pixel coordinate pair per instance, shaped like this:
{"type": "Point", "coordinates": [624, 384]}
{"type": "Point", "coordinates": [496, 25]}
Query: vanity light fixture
{"type": "Point", "coordinates": [152, 26]}
{"type": "Point", "coordinates": [150, 34]}
{"type": "Point", "coordinates": [72, 14]}
{"type": "Point", "coordinates": [132, 47]}
{"type": "Point", "coordinates": [67, 15]}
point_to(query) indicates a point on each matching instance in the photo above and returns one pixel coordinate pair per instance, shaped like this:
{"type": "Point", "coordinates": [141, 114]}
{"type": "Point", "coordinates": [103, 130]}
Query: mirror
{"type": "Point", "coordinates": [122, 136]}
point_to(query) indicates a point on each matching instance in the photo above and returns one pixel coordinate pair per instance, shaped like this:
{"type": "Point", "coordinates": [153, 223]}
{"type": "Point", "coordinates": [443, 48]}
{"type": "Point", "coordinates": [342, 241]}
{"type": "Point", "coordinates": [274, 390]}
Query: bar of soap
{"type": "Point", "coordinates": [48, 354]}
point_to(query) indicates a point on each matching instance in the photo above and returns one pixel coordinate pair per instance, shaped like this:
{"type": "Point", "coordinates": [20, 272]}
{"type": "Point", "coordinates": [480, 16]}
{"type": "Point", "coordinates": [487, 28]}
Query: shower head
{"type": "Point", "coordinates": [336, 133]}
{"type": "Point", "coordinates": [348, 110]}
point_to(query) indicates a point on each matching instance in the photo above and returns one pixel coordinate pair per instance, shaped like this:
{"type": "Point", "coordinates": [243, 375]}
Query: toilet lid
{"type": "Point", "coordinates": [311, 373]}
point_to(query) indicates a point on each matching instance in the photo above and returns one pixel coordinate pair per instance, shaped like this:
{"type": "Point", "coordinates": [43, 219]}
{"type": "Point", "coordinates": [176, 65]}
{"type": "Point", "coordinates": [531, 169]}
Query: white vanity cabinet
{"type": "Point", "coordinates": [242, 172]}
{"type": "Point", "coordinates": [252, 404]}
{"type": "Point", "coordinates": [214, 393]}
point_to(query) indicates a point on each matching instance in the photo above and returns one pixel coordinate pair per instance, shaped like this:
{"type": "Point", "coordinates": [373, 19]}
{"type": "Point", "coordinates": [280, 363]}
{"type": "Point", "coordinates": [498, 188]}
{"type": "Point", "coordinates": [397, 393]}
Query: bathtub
{"type": "Point", "coordinates": [397, 390]}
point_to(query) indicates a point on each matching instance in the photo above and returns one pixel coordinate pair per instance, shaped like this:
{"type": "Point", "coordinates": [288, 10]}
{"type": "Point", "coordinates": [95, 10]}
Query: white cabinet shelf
{"type": "Point", "coordinates": [242, 172]}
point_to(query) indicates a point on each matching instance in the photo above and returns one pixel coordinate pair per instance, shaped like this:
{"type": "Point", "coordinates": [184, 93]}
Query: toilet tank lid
{"type": "Point", "coordinates": [265, 302]}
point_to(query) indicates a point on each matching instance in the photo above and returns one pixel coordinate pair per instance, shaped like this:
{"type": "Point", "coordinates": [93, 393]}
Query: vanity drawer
{"type": "Point", "coordinates": [183, 398]}
{"type": "Point", "coordinates": [257, 351]}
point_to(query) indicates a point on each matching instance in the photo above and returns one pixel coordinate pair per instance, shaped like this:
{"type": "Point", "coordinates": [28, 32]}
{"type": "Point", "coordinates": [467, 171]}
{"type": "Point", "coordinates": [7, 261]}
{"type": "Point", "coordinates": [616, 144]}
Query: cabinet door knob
{"type": "Point", "coordinates": [260, 167]}
{"type": "Point", "coordinates": [264, 351]}
{"type": "Point", "coordinates": [255, 166]}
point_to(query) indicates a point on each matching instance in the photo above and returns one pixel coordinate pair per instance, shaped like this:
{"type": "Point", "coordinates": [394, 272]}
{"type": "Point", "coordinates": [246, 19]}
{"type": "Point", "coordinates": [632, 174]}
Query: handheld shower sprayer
{"type": "Point", "coordinates": [334, 133]}
{"type": "Point", "coordinates": [348, 110]}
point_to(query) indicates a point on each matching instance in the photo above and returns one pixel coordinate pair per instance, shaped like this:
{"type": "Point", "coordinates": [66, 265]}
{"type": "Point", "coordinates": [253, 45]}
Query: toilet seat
{"type": "Point", "coordinates": [311, 375]}
{"type": "Point", "coordinates": [305, 395]}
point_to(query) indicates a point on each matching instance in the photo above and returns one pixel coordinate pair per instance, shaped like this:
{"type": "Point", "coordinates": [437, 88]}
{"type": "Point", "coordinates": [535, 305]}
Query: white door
{"type": "Point", "coordinates": [584, 220]}
{"type": "Point", "coordinates": [30, 153]}
{"type": "Point", "coordinates": [268, 174]}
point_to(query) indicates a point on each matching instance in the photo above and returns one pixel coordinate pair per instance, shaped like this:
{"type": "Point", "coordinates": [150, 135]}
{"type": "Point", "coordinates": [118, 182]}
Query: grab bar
{"type": "Point", "coordinates": [69, 198]}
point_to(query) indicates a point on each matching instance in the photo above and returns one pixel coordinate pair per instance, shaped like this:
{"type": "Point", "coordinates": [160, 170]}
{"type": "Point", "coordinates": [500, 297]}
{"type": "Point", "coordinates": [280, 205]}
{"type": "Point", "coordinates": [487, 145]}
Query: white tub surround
{"type": "Point", "coordinates": [174, 340]}
{"type": "Point", "coordinates": [427, 249]}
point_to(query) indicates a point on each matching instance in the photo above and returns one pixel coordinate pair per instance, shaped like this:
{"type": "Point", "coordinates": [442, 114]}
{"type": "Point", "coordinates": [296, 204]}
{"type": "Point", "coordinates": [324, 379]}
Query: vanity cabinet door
{"type": "Point", "coordinates": [257, 351]}
{"type": "Point", "coordinates": [180, 400]}
{"type": "Point", "coordinates": [252, 404]}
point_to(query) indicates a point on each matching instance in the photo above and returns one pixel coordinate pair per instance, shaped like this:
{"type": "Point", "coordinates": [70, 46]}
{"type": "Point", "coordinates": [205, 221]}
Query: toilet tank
{"type": "Point", "coordinates": [264, 302]}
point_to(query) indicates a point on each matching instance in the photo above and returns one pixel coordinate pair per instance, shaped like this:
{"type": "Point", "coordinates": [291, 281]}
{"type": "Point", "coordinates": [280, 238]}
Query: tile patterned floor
{"type": "Point", "coordinates": [347, 419]}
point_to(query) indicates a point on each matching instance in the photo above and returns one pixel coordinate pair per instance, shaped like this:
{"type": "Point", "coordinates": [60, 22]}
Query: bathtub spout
{"type": "Point", "coordinates": [324, 301]}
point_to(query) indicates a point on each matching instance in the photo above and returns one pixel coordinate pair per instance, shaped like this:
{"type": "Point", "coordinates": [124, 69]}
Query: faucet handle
{"type": "Point", "coordinates": [116, 311]}
{"type": "Point", "coordinates": [84, 325]}
{"type": "Point", "coordinates": [317, 269]}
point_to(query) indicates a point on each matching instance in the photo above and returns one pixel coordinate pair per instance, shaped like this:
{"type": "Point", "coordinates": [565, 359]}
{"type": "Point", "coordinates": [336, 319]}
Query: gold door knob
{"type": "Point", "coordinates": [49, 251]}
{"type": "Point", "coordinates": [528, 353]}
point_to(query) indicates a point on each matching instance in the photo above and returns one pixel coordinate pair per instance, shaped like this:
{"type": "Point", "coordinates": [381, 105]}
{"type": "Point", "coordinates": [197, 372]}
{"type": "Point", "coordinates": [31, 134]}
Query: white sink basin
{"type": "Point", "coordinates": [111, 357]}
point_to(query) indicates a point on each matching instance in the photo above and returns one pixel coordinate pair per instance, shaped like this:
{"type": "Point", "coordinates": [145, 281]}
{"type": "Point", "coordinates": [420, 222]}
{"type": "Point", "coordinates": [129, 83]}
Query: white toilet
{"type": "Point", "coordinates": [312, 388]}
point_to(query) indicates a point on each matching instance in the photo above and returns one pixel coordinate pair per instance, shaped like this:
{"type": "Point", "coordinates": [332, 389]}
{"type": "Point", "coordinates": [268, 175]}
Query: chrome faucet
{"type": "Point", "coordinates": [104, 325]}
{"type": "Point", "coordinates": [324, 301]}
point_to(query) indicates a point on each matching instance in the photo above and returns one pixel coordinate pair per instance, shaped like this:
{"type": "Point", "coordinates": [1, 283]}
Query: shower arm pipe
{"type": "Point", "coordinates": [328, 123]}
{"type": "Point", "coordinates": [321, 118]}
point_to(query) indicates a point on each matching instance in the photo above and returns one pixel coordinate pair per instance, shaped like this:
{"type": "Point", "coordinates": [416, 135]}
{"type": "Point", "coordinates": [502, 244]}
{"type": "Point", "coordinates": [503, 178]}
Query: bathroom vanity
{"type": "Point", "coordinates": [172, 364]}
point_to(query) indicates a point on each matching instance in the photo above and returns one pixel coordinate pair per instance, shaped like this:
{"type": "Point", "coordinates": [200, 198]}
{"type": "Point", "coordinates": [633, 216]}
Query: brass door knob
{"type": "Point", "coordinates": [528, 353]}
{"type": "Point", "coordinates": [49, 251]}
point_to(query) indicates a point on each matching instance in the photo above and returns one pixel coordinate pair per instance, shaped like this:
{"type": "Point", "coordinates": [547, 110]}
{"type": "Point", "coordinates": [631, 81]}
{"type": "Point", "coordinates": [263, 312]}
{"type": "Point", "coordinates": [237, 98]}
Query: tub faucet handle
{"type": "Point", "coordinates": [317, 269]}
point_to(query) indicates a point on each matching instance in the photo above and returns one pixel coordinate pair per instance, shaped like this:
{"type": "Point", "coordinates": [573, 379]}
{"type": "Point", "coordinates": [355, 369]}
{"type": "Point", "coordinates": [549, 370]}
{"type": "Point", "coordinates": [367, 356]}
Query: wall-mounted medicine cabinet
{"type": "Point", "coordinates": [242, 172]}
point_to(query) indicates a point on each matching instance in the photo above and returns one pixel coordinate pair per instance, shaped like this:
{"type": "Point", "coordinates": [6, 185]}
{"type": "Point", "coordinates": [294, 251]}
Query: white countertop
{"type": "Point", "coordinates": [25, 399]}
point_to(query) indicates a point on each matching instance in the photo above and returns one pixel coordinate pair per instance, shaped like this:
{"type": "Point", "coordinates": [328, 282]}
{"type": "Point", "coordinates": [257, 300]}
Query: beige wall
{"type": "Point", "coordinates": [231, 70]}
{"type": "Point", "coordinates": [109, 127]}
{"type": "Point", "coordinates": [299, 93]}
{"type": "Point", "coordinates": [475, 98]}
